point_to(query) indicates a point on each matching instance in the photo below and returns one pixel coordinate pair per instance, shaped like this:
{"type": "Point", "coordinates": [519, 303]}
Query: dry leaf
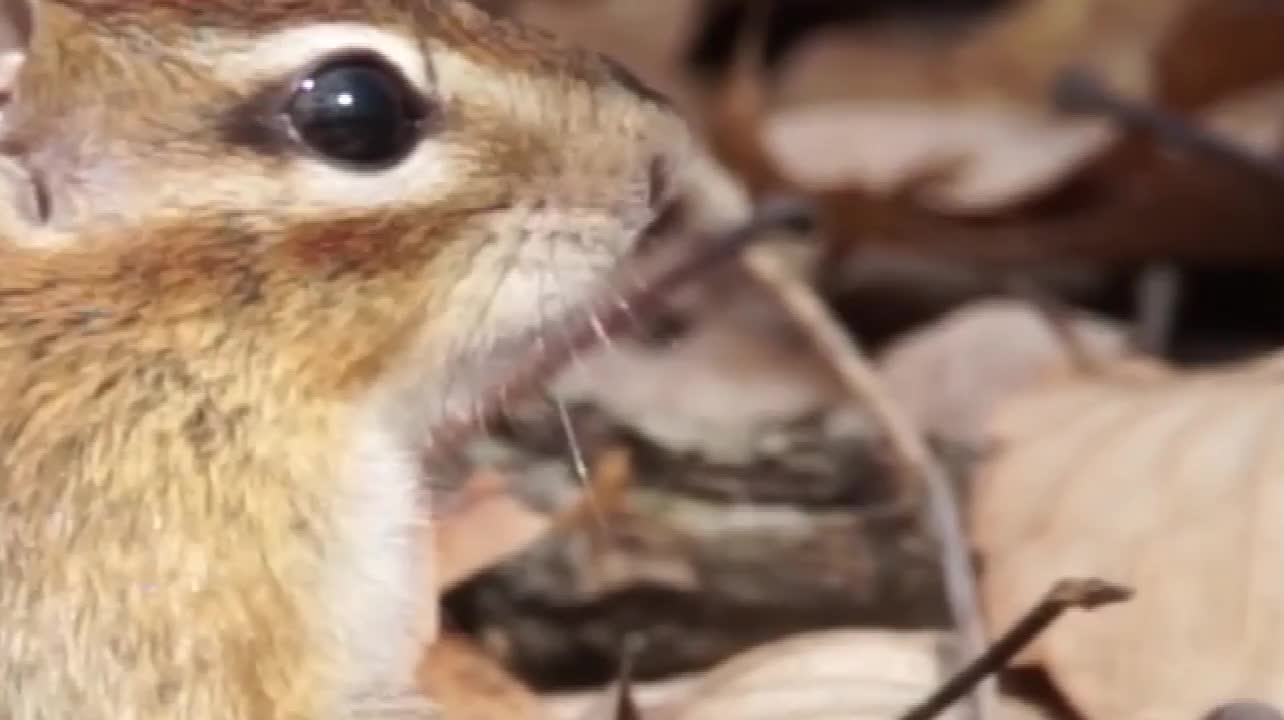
{"type": "Point", "coordinates": [469, 685]}
{"type": "Point", "coordinates": [1171, 483]}
{"type": "Point", "coordinates": [483, 525]}
{"type": "Point", "coordinates": [951, 375]}
{"type": "Point", "coordinates": [1012, 56]}
{"type": "Point", "coordinates": [914, 653]}
{"type": "Point", "coordinates": [1004, 154]}
{"type": "Point", "coordinates": [1218, 48]}
{"type": "Point", "coordinates": [1006, 202]}
{"type": "Point", "coordinates": [1018, 56]}
{"type": "Point", "coordinates": [689, 396]}
{"type": "Point", "coordinates": [597, 704]}
{"type": "Point", "coordinates": [835, 675]}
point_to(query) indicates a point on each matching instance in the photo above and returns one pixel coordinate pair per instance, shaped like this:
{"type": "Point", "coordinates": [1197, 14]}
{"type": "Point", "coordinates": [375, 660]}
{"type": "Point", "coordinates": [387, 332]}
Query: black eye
{"type": "Point", "coordinates": [357, 111]}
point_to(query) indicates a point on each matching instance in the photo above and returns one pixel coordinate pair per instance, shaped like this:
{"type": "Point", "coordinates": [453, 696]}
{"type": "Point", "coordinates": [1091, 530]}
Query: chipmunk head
{"type": "Point", "coordinates": [465, 172]}
{"type": "Point", "coordinates": [255, 253]}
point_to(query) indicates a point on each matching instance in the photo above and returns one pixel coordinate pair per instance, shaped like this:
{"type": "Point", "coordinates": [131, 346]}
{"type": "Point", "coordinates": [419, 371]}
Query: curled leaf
{"type": "Point", "coordinates": [1170, 483]}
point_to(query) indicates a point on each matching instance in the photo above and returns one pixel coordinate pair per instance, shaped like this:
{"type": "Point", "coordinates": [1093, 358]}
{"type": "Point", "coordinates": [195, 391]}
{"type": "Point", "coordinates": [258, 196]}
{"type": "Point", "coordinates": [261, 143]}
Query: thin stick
{"type": "Point", "coordinates": [1078, 91]}
{"type": "Point", "coordinates": [626, 707]}
{"type": "Point", "coordinates": [1158, 299]}
{"type": "Point", "coordinates": [1245, 710]}
{"type": "Point", "coordinates": [1082, 594]}
{"type": "Point", "coordinates": [855, 372]}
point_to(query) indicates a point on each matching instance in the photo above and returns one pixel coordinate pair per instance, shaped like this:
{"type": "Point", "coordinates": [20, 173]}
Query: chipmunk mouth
{"type": "Point", "coordinates": [650, 237]}
{"type": "Point", "coordinates": [653, 269]}
{"type": "Point", "coordinates": [523, 364]}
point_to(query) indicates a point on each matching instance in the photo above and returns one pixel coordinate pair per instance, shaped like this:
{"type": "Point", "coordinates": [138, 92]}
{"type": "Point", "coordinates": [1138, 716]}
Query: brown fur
{"type": "Point", "coordinates": [496, 40]}
{"type": "Point", "coordinates": [174, 415]}
{"type": "Point", "coordinates": [183, 371]}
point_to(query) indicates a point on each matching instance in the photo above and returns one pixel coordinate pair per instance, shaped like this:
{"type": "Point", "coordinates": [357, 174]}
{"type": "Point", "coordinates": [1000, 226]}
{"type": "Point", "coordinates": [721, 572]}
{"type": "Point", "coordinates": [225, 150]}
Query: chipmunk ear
{"type": "Point", "coordinates": [17, 22]}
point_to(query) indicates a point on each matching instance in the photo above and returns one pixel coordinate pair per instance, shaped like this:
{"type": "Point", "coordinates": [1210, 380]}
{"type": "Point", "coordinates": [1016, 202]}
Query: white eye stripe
{"type": "Point", "coordinates": [425, 172]}
{"type": "Point", "coordinates": [284, 52]}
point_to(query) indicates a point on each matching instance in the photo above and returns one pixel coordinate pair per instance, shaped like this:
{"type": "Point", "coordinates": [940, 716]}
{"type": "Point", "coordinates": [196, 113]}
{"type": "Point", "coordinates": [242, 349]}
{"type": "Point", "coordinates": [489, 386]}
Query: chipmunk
{"type": "Point", "coordinates": [252, 252]}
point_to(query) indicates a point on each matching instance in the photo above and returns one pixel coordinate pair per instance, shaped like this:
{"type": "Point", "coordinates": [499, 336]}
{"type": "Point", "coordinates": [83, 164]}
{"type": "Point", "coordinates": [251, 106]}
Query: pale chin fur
{"type": "Point", "coordinates": [380, 580]}
{"type": "Point", "coordinates": [278, 53]}
{"type": "Point", "coordinates": [519, 295]}
{"type": "Point", "coordinates": [381, 586]}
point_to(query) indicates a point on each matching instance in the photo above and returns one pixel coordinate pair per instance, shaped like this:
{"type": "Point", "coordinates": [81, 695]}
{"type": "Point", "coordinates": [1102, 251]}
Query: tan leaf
{"type": "Point", "coordinates": [483, 525]}
{"type": "Point", "coordinates": [689, 396]}
{"type": "Point", "coordinates": [952, 374]}
{"type": "Point", "coordinates": [1170, 483]}
{"type": "Point", "coordinates": [781, 672]}
{"type": "Point", "coordinates": [1003, 154]}
{"type": "Point", "coordinates": [469, 685]}
{"type": "Point", "coordinates": [835, 675]}
{"type": "Point", "coordinates": [598, 704]}
{"type": "Point", "coordinates": [998, 156]}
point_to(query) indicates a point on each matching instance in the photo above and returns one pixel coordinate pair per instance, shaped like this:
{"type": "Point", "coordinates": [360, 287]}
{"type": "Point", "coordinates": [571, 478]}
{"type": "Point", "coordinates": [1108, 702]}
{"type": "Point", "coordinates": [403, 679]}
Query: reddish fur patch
{"type": "Point", "coordinates": [457, 24]}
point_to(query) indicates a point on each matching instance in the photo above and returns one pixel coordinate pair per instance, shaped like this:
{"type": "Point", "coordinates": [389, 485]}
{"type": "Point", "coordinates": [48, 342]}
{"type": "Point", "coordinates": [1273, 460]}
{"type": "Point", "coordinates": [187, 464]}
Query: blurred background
{"type": "Point", "coordinates": [1054, 230]}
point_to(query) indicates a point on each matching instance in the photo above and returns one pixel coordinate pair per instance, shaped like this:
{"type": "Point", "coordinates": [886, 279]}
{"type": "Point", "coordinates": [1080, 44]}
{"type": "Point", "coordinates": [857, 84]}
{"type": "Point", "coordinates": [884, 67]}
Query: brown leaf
{"type": "Point", "coordinates": [1011, 57]}
{"type": "Point", "coordinates": [1019, 56]}
{"type": "Point", "coordinates": [1010, 200]}
{"type": "Point", "coordinates": [1167, 482]}
{"type": "Point", "coordinates": [1219, 48]}
{"type": "Point", "coordinates": [469, 685]}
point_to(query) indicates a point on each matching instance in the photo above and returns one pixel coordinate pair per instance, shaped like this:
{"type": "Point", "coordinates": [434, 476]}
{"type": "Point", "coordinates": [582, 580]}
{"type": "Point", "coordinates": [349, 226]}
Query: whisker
{"type": "Point", "coordinates": [478, 415]}
{"type": "Point", "coordinates": [578, 464]}
{"type": "Point", "coordinates": [572, 440]}
{"type": "Point", "coordinates": [599, 329]}
{"type": "Point", "coordinates": [503, 404]}
{"type": "Point", "coordinates": [626, 312]}
{"type": "Point", "coordinates": [532, 366]}
{"type": "Point", "coordinates": [453, 464]}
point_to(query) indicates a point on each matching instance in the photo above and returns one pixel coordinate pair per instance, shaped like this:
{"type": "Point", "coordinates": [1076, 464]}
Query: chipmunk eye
{"type": "Point", "coordinates": [357, 111]}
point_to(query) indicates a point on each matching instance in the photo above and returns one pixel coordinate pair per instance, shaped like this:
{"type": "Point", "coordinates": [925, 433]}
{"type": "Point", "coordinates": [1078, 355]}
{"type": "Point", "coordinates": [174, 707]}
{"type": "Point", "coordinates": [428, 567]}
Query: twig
{"type": "Point", "coordinates": [626, 707]}
{"type": "Point", "coordinates": [1244, 710]}
{"type": "Point", "coordinates": [1082, 594]}
{"type": "Point", "coordinates": [855, 372]}
{"type": "Point", "coordinates": [1158, 299]}
{"type": "Point", "coordinates": [1079, 91]}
